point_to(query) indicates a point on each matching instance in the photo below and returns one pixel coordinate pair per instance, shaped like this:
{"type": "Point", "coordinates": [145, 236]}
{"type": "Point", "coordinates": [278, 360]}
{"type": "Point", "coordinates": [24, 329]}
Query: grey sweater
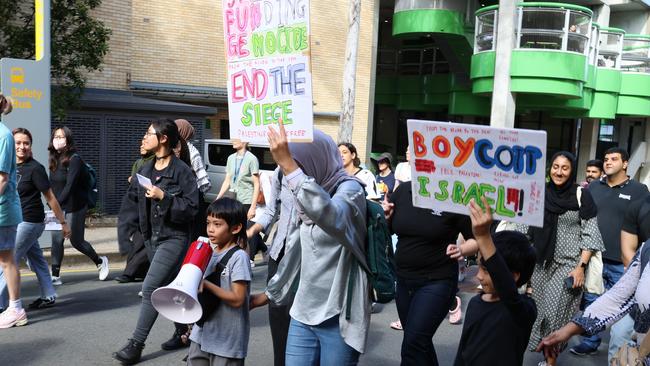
{"type": "Point", "coordinates": [318, 254]}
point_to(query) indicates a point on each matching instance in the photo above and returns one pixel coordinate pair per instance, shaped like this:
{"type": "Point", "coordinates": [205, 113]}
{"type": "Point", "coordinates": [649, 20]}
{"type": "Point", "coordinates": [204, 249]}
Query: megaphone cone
{"type": "Point", "coordinates": [178, 301]}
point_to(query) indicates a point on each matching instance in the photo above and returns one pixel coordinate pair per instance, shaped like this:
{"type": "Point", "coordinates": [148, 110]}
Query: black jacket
{"type": "Point", "coordinates": [171, 217]}
{"type": "Point", "coordinates": [68, 185]}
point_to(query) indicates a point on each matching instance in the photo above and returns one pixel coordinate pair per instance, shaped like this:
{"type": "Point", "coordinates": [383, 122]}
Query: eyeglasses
{"type": "Point", "coordinates": [147, 134]}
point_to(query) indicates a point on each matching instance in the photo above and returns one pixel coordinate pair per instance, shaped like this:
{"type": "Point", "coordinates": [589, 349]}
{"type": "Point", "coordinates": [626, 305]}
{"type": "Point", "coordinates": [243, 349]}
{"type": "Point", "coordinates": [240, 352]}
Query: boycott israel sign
{"type": "Point", "coordinates": [452, 163]}
{"type": "Point", "coordinates": [269, 69]}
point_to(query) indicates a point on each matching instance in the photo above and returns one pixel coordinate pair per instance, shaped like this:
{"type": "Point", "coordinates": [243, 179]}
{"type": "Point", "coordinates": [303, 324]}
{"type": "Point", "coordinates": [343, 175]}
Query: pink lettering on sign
{"type": "Point", "coordinates": [245, 86]}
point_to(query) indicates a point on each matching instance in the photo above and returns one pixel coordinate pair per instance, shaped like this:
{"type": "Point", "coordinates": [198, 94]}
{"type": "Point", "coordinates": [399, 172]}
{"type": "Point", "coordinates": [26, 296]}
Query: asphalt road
{"type": "Point", "coordinates": [93, 319]}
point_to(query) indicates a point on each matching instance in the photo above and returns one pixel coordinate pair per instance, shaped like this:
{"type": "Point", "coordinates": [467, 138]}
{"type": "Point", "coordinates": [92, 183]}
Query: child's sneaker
{"type": "Point", "coordinates": [13, 317]}
{"type": "Point", "coordinates": [456, 315]}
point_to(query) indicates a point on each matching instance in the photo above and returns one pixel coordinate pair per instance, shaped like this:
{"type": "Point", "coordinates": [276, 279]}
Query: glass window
{"type": "Point", "coordinates": [485, 31]}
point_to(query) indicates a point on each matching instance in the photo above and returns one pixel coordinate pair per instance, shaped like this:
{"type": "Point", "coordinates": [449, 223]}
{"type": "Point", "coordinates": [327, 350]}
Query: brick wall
{"type": "Point", "coordinates": [116, 15]}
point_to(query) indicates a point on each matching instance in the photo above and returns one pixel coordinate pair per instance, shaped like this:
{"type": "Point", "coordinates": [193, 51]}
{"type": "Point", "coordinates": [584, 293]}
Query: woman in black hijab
{"type": "Point", "coordinates": [564, 246]}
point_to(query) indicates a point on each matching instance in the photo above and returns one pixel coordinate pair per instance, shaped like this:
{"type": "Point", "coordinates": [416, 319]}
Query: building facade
{"type": "Point", "coordinates": [417, 59]}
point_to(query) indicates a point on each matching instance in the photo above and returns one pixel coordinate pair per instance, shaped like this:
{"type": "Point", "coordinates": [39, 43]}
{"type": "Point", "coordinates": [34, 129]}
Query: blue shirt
{"type": "Point", "coordinates": [10, 213]}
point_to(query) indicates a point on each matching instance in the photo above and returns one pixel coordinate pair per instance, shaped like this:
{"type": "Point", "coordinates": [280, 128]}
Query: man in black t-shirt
{"type": "Point", "coordinates": [613, 196]}
{"type": "Point", "coordinates": [636, 229]}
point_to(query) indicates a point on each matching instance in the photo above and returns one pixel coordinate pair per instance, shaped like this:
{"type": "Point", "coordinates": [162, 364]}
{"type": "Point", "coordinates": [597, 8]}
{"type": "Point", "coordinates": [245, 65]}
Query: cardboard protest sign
{"type": "Point", "coordinates": [452, 163]}
{"type": "Point", "coordinates": [269, 68]}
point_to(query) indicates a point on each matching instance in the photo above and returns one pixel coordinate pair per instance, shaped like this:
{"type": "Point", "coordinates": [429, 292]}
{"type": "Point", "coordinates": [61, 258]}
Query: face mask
{"type": "Point", "coordinates": [58, 144]}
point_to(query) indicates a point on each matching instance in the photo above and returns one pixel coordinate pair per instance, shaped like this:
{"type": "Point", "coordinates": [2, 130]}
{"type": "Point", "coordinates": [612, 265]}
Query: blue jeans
{"type": "Point", "coordinates": [422, 305]}
{"type": "Point", "coordinates": [612, 272]}
{"type": "Point", "coordinates": [318, 345]}
{"type": "Point", "coordinates": [27, 246]}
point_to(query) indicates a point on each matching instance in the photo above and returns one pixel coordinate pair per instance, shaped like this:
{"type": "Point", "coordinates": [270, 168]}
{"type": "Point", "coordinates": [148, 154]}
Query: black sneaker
{"type": "Point", "coordinates": [583, 350]}
{"type": "Point", "coordinates": [131, 353]}
{"type": "Point", "coordinates": [175, 342]}
{"type": "Point", "coordinates": [42, 303]}
{"type": "Point", "coordinates": [124, 279]}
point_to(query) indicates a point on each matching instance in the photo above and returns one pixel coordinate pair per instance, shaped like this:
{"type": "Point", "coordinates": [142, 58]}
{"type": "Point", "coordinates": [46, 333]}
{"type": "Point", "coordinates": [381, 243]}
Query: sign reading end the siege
{"type": "Point", "coordinates": [451, 163]}
{"type": "Point", "coordinates": [269, 68]}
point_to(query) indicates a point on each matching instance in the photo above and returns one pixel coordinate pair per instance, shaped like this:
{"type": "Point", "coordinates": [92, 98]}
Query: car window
{"type": "Point", "coordinates": [264, 157]}
{"type": "Point", "coordinates": [218, 154]}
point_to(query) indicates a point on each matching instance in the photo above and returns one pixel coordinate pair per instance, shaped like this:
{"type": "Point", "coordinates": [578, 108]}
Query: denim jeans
{"type": "Point", "coordinates": [166, 258]}
{"type": "Point", "coordinates": [27, 247]}
{"type": "Point", "coordinates": [77, 222]}
{"type": "Point", "coordinates": [612, 272]}
{"type": "Point", "coordinates": [318, 345]}
{"type": "Point", "coordinates": [593, 342]}
{"type": "Point", "coordinates": [422, 305]}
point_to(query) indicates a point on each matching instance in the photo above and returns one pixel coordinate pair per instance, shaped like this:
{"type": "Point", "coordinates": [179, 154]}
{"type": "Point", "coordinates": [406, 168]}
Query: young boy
{"type": "Point", "coordinates": [499, 320]}
{"type": "Point", "coordinates": [223, 337]}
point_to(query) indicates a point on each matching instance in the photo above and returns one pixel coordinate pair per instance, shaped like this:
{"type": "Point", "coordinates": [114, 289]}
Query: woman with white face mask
{"type": "Point", "coordinates": [67, 178]}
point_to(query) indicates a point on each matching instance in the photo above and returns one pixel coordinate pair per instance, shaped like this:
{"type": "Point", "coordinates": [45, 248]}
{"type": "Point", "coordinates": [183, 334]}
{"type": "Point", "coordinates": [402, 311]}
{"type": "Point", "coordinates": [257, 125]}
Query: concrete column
{"type": "Point", "coordinates": [601, 15]}
{"type": "Point", "coordinates": [588, 144]}
{"type": "Point", "coordinates": [503, 101]}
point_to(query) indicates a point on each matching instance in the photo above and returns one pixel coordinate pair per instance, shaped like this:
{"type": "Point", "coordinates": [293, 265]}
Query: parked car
{"type": "Point", "coordinates": [215, 156]}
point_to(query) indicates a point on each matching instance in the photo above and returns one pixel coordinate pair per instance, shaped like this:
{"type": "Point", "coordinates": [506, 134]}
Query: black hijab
{"type": "Point", "coordinates": [557, 201]}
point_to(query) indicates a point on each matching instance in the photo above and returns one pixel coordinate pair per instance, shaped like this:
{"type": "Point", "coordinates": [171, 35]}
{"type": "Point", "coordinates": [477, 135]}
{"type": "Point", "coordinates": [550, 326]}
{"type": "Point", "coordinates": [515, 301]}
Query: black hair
{"type": "Point", "coordinates": [66, 152]}
{"type": "Point", "coordinates": [516, 251]}
{"type": "Point", "coordinates": [625, 156]}
{"type": "Point", "coordinates": [353, 150]}
{"type": "Point", "coordinates": [597, 163]}
{"type": "Point", "coordinates": [232, 212]}
{"type": "Point", "coordinates": [166, 127]}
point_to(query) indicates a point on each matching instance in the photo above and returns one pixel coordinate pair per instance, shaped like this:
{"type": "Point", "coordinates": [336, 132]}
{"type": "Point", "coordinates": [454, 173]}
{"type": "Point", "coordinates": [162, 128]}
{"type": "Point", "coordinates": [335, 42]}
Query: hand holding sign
{"type": "Point", "coordinates": [279, 146]}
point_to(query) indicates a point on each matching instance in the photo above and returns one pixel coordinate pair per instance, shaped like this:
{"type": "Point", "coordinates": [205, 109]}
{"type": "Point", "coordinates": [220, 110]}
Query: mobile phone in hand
{"type": "Point", "coordinates": [568, 283]}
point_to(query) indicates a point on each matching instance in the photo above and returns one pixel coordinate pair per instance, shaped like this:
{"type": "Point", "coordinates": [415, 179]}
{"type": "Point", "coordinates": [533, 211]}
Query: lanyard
{"type": "Point", "coordinates": [238, 168]}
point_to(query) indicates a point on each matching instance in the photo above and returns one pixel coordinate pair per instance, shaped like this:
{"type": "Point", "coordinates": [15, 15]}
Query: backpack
{"type": "Point", "coordinates": [89, 179]}
{"type": "Point", "coordinates": [378, 262]}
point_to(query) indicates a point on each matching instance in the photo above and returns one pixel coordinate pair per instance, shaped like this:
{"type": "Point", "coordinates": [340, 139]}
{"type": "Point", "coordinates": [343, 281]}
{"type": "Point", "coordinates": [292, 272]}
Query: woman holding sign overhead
{"type": "Point", "coordinates": [564, 246]}
{"type": "Point", "coordinates": [163, 209]}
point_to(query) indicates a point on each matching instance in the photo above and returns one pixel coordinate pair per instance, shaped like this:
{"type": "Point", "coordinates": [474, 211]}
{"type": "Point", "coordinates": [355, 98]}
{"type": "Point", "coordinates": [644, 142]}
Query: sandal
{"type": "Point", "coordinates": [397, 325]}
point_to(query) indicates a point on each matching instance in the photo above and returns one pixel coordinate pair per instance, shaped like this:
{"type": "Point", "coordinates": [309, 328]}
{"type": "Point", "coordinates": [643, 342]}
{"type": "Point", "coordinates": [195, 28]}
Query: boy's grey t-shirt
{"type": "Point", "coordinates": [227, 331]}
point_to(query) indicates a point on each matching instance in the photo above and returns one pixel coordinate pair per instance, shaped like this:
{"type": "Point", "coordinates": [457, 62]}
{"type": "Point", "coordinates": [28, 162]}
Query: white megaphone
{"type": "Point", "coordinates": [178, 301]}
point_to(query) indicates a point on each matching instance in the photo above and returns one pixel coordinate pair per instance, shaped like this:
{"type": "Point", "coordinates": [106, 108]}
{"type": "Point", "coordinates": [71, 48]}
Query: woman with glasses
{"type": "Point", "coordinates": [67, 178]}
{"type": "Point", "coordinates": [163, 212]}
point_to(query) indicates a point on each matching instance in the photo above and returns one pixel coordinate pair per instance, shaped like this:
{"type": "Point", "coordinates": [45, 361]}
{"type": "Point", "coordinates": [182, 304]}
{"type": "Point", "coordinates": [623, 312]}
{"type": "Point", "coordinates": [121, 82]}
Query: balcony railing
{"type": "Point", "coordinates": [610, 48]}
{"type": "Point", "coordinates": [636, 53]}
{"type": "Point", "coordinates": [545, 26]}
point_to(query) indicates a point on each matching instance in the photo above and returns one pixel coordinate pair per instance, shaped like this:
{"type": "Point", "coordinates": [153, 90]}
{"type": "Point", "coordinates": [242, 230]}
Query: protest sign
{"type": "Point", "coordinates": [452, 163]}
{"type": "Point", "coordinates": [269, 68]}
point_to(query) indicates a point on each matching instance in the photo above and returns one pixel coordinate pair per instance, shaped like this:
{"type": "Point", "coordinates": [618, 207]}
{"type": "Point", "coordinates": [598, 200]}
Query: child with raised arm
{"type": "Point", "coordinates": [498, 321]}
{"type": "Point", "coordinates": [221, 336]}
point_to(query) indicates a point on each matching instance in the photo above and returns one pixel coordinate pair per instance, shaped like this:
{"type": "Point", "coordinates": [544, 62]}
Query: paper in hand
{"type": "Point", "coordinates": [51, 222]}
{"type": "Point", "coordinates": [144, 181]}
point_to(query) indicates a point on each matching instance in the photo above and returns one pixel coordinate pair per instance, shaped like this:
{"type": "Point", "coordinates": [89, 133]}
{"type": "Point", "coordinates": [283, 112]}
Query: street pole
{"type": "Point", "coordinates": [346, 118]}
{"type": "Point", "coordinates": [503, 100]}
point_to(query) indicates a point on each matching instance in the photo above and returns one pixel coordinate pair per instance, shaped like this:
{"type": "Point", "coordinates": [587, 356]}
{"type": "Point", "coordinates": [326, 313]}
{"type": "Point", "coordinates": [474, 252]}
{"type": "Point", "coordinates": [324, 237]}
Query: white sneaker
{"type": "Point", "coordinates": [140, 293]}
{"type": "Point", "coordinates": [13, 317]}
{"type": "Point", "coordinates": [103, 268]}
{"type": "Point", "coordinates": [56, 281]}
{"type": "Point", "coordinates": [252, 264]}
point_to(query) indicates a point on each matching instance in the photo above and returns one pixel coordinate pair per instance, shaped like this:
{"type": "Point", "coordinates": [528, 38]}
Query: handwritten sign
{"type": "Point", "coordinates": [269, 68]}
{"type": "Point", "coordinates": [452, 163]}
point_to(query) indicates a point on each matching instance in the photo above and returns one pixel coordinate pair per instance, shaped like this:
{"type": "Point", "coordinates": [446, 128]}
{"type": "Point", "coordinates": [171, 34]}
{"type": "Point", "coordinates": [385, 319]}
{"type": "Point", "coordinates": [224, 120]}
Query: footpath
{"type": "Point", "coordinates": [101, 233]}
